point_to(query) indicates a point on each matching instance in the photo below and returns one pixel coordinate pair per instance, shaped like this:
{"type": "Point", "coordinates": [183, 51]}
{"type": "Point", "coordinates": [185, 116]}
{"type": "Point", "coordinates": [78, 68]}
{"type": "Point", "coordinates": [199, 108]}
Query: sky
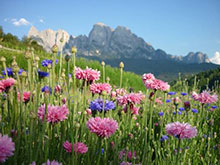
{"type": "Point", "coordinates": [176, 26]}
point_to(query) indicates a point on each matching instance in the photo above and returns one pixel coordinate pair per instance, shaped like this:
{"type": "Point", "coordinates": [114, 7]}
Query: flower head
{"type": "Point", "coordinates": [79, 147]}
{"type": "Point", "coordinates": [99, 88]}
{"type": "Point", "coordinates": [87, 74]}
{"type": "Point", "coordinates": [54, 113]}
{"type": "Point", "coordinates": [46, 89]}
{"type": "Point", "coordinates": [42, 74]}
{"type": "Point", "coordinates": [7, 147]}
{"type": "Point", "coordinates": [171, 93]}
{"type": "Point", "coordinates": [6, 84]}
{"type": "Point", "coordinates": [97, 105]}
{"type": "Point", "coordinates": [181, 130]}
{"type": "Point", "coordinates": [157, 84]}
{"type": "Point", "coordinates": [26, 96]}
{"type": "Point", "coordinates": [146, 78]}
{"type": "Point", "coordinates": [194, 110]}
{"type": "Point", "coordinates": [52, 163]}
{"type": "Point", "coordinates": [102, 127]}
{"type": "Point", "coordinates": [131, 98]}
{"type": "Point", "coordinates": [46, 62]}
{"type": "Point", "coordinates": [205, 97]}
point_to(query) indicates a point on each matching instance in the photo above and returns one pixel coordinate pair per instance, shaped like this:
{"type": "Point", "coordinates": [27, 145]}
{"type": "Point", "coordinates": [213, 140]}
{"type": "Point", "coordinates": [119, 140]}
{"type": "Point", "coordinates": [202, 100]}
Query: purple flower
{"type": "Point", "coordinates": [171, 93]}
{"type": "Point", "coordinates": [214, 107]}
{"type": "Point", "coordinates": [179, 112]}
{"type": "Point", "coordinates": [163, 138]}
{"type": "Point", "coordinates": [160, 113]}
{"type": "Point", "coordinates": [182, 109]}
{"type": "Point", "coordinates": [42, 74]}
{"type": "Point", "coordinates": [183, 93]}
{"type": "Point", "coordinates": [168, 101]}
{"type": "Point", "coordinates": [46, 89]}
{"type": "Point", "coordinates": [10, 72]}
{"type": "Point", "coordinates": [194, 110]}
{"type": "Point", "coordinates": [174, 113]}
{"type": "Point", "coordinates": [46, 62]}
{"type": "Point", "coordinates": [97, 105]}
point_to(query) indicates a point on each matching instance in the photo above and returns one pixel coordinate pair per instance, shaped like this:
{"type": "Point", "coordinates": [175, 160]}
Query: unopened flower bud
{"type": "Point", "coordinates": [121, 65]}
{"type": "Point", "coordinates": [103, 63]}
{"type": "Point", "coordinates": [55, 48]}
{"type": "Point", "coordinates": [74, 50]}
{"type": "Point", "coordinates": [3, 59]}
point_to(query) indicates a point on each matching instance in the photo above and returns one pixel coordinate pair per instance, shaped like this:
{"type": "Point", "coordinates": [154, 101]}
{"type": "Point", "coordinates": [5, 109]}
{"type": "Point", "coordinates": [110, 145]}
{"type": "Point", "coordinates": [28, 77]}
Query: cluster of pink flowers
{"type": "Point", "coordinates": [181, 130]}
{"type": "Point", "coordinates": [158, 100]}
{"type": "Point", "coordinates": [131, 98]}
{"type": "Point", "coordinates": [7, 147]}
{"type": "Point", "coordinates": [118, 92]}
{"type": "Point", "coordinates": [54, 113]}
{"type": "Point", "coordinates": [99, 88]}
{"type": "Point", "coordinates": [205, 97]}
{"type": "Point", "coordinates": [152, 83]}
{"type": "Point", "coordinates": [79, 147]}
{"type": "Point", "coordinates": [87, 74]}
{"type": "Point", "coordinates": [6, 84]}
{"type": "Point", "coordinates": [26, 96]}
{"type": "Point", "coordinates": [102, 127]}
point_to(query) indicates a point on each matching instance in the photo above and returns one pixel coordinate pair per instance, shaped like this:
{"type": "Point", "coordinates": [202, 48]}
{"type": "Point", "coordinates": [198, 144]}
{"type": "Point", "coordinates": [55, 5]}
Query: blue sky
{"type": "Point", "coordinates": [176, 26]}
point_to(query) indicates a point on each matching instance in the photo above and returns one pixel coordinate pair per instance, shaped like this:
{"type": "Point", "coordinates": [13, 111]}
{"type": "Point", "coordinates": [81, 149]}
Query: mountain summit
{"type": "Point", "coordinates": [108, 43]}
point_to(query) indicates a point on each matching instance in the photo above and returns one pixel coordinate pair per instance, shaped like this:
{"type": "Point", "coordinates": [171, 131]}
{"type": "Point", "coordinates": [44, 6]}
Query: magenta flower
{"type": "Point", "coordinates": [52, 163]}
{"type": "Point", "coordinates": [132, 98]}
{"type": "Point", "coordinates": [181, 130]}
{"type": "Point", "coordinates": [26, 96]}
{"type": "Point", "coordinates": [129, 154]}
{"type": "Point", "coordinates": [205, 97]}
{"type": "Point", "coordinates": [146, 78]}
{"type": "Point", "coordinates": [102, 127]}
{"type": "Point", "coordinates": [157, 84]}
{"type": "Point", "coordinates": [6, 84]}
{"type": "Point", "coordinates": [54, 113]}
{"type": "Point", "coordinates": [88, 74]}
{"type": "Point", "coordinates": [7, 147]}
{"type": "Point", "coordinates": [79, 147]}
{"type": "Point", "coordinates": [99, 88]}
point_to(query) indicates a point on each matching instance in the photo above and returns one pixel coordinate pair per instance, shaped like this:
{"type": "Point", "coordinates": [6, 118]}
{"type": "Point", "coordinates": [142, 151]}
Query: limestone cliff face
{"type": "Point", "coordinates": [106, 42]}
{"type": "Point", "coordinates": [48, 38]}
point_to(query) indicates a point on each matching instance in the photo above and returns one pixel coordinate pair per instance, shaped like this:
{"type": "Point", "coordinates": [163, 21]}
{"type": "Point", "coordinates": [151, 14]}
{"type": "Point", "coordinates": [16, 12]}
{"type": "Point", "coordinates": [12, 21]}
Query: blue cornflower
{"type": "Point", "coordinates": [42, 74]}
{"type": "Point", "coordinates": [102, 151]}
{"type": "Point", "coordinates": [214, 107]}
{"type": "Point", "coordinates": [182, 109]}
{"type": "Point", "coordinates": [163, 138]}
{"type": "Point", "coordinates": [10, 72]}
{"type": "Point", "coordinates": [179, 112]}
{"type": "Point", "coordinates": [160, 113]}
{"type": "Point", "coordinates": [171, 93]}
{"type": "Point", "coordinates": [205, 136]}
{"type": "Point", "coordinates": [46, 62]}
{"type": "Point", "coordinates": [46, 89]}
{"type": "Point", "coordinates": [194, 110]}
{"type": "Point", "coordinates": [174, 113]}
{"type": "Point", "coordinates": [97, 104]}
{"type": "Point", "coordinates": [168, 101]}
{"type": "Point", "coordinates": [183, 93]}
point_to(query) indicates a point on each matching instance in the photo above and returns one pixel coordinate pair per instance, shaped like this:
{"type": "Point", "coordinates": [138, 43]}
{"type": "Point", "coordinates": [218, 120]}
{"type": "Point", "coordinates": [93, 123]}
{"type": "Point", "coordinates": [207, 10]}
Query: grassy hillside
{"type": "Point", "coordinates": [129, 79]}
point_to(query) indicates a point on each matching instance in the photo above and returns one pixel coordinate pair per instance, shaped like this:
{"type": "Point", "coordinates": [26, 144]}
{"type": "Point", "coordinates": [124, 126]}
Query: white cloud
{"type": "Point", "coordinates": [216, 58]}
{"type": "Point", "coordinates": [20, 22]}
{"type": "Point", "coordinates": [41, 21]}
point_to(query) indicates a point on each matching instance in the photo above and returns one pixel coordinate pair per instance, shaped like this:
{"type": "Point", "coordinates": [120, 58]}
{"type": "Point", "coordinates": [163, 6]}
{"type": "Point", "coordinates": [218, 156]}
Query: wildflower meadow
{"type": "Point", "coordinates": [54, 112]}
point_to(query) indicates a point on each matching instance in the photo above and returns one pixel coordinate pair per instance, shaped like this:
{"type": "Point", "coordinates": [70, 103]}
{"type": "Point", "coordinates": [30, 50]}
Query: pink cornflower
{"type": "Point", "coordinates": [6, 84]}
{"type": "Point", "coordinates": [58, 89]}
{"type": "Point", "coordinates": [157, 84]}
{"type": "Point", "coordinates": [79, 147]}
{"type": "Point", "coordinates": [26, 96]}
{"type": "Point", "coordinates": [54, 113]}
{"type": "Point", "coordinates": [99, 88]}
{"type": "Point", "coordinates": [205, 97]}
{"type": "Point", "coordinates": [102, 127]}
{"type": "Point", "coordinates": [146, 78]}
{"type": "Point", "coordinates": [7, 147]}
{"type": "Point", "coordinates": [132, 98]}
{"type": "Point", "coordinates": [158, 100]}
{"type": "Point", "coordinates": [181, 130]}
{"type": "Point", "coordinates": [88, 74]}
{"type": "Point", "coordinates": [52, 163]}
